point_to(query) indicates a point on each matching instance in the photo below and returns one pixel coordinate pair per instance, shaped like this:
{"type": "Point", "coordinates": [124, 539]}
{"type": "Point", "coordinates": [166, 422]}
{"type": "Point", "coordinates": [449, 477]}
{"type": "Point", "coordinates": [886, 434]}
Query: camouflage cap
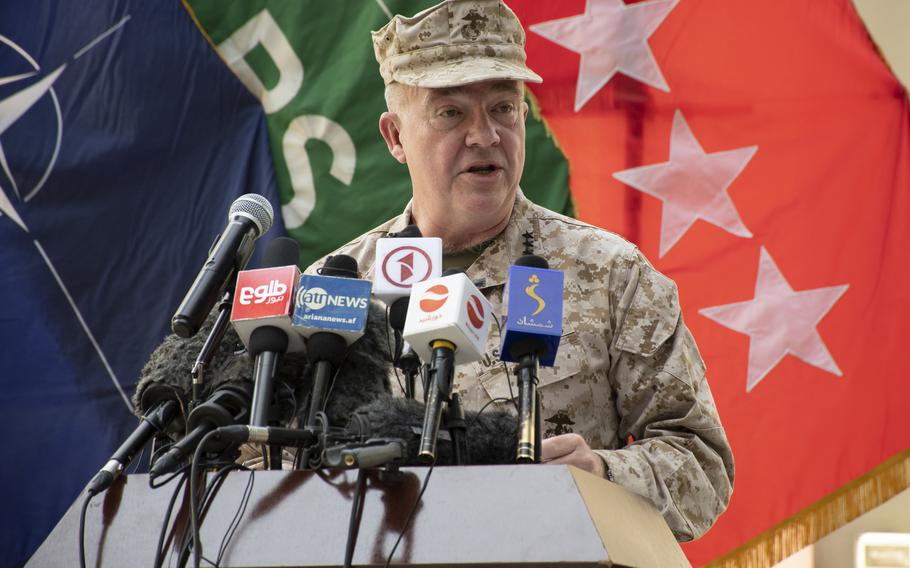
{"type": "Point", "coordinates": [453, 43]}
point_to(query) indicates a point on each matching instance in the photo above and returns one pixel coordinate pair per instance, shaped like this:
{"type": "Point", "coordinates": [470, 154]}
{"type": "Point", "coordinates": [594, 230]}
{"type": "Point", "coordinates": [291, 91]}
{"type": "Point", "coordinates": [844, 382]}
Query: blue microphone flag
{"type": "Point", "coordinates": [334, 304]}
{"type": "Point", "coordinates": [534, 310]}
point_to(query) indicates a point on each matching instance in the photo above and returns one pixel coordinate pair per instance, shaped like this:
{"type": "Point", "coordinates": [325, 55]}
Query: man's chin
{"type": "Point", "coordinates": [484, 194]}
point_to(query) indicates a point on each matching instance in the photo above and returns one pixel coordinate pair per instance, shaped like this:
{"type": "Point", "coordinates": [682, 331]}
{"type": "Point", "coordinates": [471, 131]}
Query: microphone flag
{"type": "Point", "coordinates": [403, 262]}
{"type": "Point", "coordinates": [534, 311]}
{"type": "Point", "coordinates": [266, 297]}
{"type": "Point", "coordinates": [331, 304]}
{"type": "Point", "coordinates": [450, 308]}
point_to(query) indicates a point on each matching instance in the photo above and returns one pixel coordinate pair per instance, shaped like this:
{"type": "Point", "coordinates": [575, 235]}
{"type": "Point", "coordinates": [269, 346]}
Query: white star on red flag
{"type": "Point", "coordinates": [692, 185]}
{"type": "Point", "coordinates": [779, 321]}
{"type": "Point", "coordinates": [611, 37]}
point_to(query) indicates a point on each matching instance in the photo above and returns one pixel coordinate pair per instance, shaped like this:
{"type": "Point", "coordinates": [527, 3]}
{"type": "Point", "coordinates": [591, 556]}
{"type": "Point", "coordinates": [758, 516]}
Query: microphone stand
{"type": "Point", "coordinates": [207, 352]}
{"type": "Point", "coordinates": [271, 343]}
{"type": "Point", "coordinates": [529, 425]}
{"type": "Point", "coordinates": [458, 429]}
{"type": "Point", "coordinates": [327, 349]}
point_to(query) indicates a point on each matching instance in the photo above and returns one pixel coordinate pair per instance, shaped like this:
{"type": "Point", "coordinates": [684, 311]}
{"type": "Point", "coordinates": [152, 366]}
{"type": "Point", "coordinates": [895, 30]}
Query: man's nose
{"type": "Point", "coordinates": [482, 130]}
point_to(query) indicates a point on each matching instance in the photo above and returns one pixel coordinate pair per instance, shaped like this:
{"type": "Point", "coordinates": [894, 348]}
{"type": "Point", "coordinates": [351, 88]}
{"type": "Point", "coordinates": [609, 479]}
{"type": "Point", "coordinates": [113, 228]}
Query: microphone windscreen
{"type": "Point", "coordinates": [409, 232]}
{"type": "Point", "coordinates": [363, 374]}
{"type": "Point", "coordinates": [283, 251]}
{"type": "Point", "coordinates": [268, 338]}
{"type": "Point", "coordinates": [532, 261]}
{"type": "Point", "coordinates": [398, 313]}
{"type": "Point", "coordinates": [170, 366]}
{"type": "Point", "coordinates": [492, 436]}
{"type": "Point", "coordinates": [340, 265]}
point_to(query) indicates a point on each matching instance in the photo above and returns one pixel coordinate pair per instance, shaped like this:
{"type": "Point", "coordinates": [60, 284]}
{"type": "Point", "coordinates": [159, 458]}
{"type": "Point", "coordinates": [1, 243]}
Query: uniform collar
{"type": "Point", "coordinates": [492, 266]}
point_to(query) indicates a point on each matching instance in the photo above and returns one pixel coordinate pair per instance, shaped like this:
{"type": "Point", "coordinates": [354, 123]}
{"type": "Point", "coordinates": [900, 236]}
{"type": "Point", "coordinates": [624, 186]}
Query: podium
{"type": "Point", "coordinates": [469, 516]}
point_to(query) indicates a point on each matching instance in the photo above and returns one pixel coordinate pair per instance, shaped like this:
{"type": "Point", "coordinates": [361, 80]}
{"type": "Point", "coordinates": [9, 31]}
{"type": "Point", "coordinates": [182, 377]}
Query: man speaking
{"type": "Point", "coordinates": [627, 397]}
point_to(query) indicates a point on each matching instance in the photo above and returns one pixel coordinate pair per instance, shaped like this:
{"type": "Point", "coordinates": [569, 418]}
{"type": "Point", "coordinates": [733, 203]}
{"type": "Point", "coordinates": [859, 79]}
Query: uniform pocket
{"type": "Point", "coordinates": [496, 382]}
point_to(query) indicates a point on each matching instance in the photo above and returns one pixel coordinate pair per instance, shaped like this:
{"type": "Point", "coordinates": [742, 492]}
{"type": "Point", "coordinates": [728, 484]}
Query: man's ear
{"type": "Point", "coordinates": [390, 128]}
{"type": "Point", "coordinates": [524, 110]}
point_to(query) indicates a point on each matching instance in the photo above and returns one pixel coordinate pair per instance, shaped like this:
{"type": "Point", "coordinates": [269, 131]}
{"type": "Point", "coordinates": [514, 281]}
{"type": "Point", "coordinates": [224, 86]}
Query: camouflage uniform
{"type": "Point", "coordinates": [628, 377]}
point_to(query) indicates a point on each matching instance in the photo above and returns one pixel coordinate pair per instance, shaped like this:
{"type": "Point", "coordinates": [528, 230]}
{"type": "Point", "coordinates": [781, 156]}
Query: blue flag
{"type": "Point", "coordinates": [123, 141]}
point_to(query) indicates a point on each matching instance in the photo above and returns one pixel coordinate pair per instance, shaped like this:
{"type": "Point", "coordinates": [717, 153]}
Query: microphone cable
{"type": "Point", "coordinates": [241, 510]}
{"type": "Point", "coordinates": [82, 513]}
{"type": "Point", "coordinates": [392, 352]}
{"type": "Point", "coordinates": [159, 549]}
{"type": "Point", "coordinates": [504, 368]}
{"type": "Point", "coordinates": [88, 498]}
{"type": "Point", "coordinates": [206, 501]}
{"type": "Point", "coordinates": [196, 506]}
{"type": "Point", "coordinates": [199, 505]}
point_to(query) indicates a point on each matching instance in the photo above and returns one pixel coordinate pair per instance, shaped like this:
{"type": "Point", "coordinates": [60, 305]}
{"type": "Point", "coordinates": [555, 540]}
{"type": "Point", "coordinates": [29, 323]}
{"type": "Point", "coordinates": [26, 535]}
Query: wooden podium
{"type": "Point", "coordinates": [469, 516]}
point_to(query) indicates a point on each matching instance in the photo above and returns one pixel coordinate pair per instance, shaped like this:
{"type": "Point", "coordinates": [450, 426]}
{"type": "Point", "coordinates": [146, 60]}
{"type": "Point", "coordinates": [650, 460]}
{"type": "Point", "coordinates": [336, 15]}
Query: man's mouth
{"type": "Point", "coordinates": [483, 169]}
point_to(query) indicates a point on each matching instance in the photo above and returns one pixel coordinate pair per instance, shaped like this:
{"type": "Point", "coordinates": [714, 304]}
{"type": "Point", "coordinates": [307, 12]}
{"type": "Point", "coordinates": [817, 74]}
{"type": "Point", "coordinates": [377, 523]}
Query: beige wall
{"type": "Point", "coordinates": [889, 23]}
{"type": "Point", "coordinates": [836, 550]}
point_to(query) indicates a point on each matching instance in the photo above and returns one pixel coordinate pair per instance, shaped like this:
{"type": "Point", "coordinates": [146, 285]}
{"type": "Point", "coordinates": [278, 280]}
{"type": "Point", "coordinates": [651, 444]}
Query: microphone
{"type": "Point", "coordinates": [401, 262]}
{"type": "Point", "coordinates": [531, 338]}
{"type": "Point", "coordinates": [270, 435]}
{"type": "Point", "coordinates": [492, 435]}
{"type": "Point", "coordinates": [265, 296]}
{"type": "Point", "coordinates": [151, 423]}
{"type": "Point", "coordinates": [447, 324]}
{"type": "Point", "coordinates": [250, 217]}
{"type": "Point", "coordinates": [362, 376]}
{"type": "Point", "coordinates": [228, 405]}
{"type": "Point", "coordinates": [159, 399]}
{"type": "Point", "coordinates": [331, 312]}
{"type": "Point", "coordinates": [261, 315]}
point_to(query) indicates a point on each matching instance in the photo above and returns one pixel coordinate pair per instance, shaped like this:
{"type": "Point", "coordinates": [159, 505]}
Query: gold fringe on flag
{"type": "Point", "coordinates": [823, 517]}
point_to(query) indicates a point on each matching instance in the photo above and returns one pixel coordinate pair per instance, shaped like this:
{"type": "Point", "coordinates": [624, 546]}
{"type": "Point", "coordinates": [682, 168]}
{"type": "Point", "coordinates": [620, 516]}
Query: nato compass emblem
{"type": "Point", "coordinates": [27, 97]}
{"type": "Point", "coordinates": [29, 103]}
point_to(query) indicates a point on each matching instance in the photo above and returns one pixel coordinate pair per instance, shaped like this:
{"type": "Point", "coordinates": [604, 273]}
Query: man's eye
{"type": "Point", "coordinates": [505, 108]}
{"type": "Point", "coordinates": [449, 113]}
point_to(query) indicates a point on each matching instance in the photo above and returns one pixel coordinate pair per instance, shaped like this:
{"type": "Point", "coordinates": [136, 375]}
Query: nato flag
{"type": "Point", "coordinates": [123, 141]}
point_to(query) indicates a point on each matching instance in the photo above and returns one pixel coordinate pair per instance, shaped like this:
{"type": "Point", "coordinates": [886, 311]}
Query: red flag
{"type": "Point", "coordinates": [759, 154]}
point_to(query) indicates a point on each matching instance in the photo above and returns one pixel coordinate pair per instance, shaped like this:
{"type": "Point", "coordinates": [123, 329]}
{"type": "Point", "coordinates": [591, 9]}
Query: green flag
{"type": "Point", "coordinates": [311, 64]}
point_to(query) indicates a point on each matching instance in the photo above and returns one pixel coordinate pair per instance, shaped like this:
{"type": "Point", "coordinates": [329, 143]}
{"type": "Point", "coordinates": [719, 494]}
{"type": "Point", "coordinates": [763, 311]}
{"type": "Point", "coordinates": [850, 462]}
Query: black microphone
{"type": "Point", "coordinates": [447, 324]}
{"type": "Point", "coordinates": [249, 218]}
{"type": "Point", "coordinates": [269, 435]}
{"type": "Point", "coordinates": [363, 375]}
{"type": "Point", "coordinates": [151, 423]}
{"type": "Point", "coordinates": [268, 343]}
{"type": "Point", "coordinates": [491, 436]}
{"type": "Point", "coordinates": [326, 350]}
{"type": "Point", "coordinates": [531, 342]}
{"type": "Point", "coordinates": [158, 399]}
{"type": "Point", "coordinates": [228, 405]}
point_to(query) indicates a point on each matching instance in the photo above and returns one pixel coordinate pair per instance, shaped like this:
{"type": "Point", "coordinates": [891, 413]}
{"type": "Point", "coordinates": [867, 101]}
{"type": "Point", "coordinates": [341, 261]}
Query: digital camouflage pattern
{"type": "Point", "coordinates": [628, 377]}
{"type": "Point", "coordinates": [453, 43]}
